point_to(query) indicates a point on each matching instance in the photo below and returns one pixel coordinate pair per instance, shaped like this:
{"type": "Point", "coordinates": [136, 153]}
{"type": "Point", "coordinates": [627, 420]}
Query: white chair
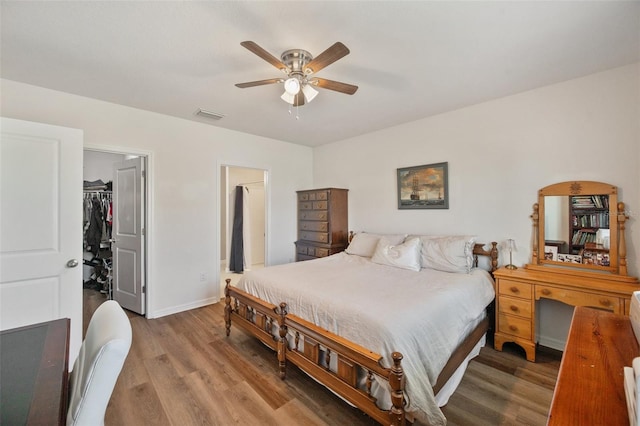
{"type": "Point", "coordinates": [98, 365]}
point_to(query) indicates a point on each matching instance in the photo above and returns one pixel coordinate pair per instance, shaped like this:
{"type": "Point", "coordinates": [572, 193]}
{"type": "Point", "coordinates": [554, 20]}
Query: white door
{"type": "Point", "coordinates": [41, 226]}
{"type": "Point", "coordinates": [128, 235]}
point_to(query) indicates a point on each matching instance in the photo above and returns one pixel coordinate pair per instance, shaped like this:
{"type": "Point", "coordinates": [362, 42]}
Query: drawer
{"type": "Point", "coordinates": [515, 288]}
{"type": "Point", "coordinates": [312, 215]}
{"type": "Point", "coordinates": [320, 237]}
{"type": "Point", "coordinates": [313, 196]}
{"type": "Point", "coordinates": [579, 298]}
{"type": "Point", "coordinates": [301, 249]}
{"type": "Point", "coordinates": [320, 205]}
{"type": "Point", "coordinates": [319, 195]}
{"type": "Point", "coordinates": [516, 326]}
{"type": "Point", "coordinates": [322, 252]}
{"type": "Point", "coordinates": [302, 257]}
{"type": "Point", "coordinates": [314, 226]}
{"type": "Point", "coordinates": [514, 306]}
{"type": "Point", "coordinates": [305, 205]}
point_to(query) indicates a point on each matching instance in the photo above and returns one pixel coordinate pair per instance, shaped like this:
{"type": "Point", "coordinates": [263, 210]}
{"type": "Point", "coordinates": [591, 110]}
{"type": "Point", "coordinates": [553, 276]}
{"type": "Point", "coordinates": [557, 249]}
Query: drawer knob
{"type": "Point", "coordinates": [514, 289]}
{"type": "Point", "coordinates": [605, 302]}
{"type": "Point", "coordinates": [513, 328]}
{"type": "Point", "coordinates": [514, 308]}
{"type": "Point", "coordinates": [546, 291]}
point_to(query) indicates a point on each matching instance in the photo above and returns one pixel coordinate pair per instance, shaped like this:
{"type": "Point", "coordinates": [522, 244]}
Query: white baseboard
{"type": "Point", "coordinates": [181, 308]}
{"type": "Point", "coordinates": [552, 343]}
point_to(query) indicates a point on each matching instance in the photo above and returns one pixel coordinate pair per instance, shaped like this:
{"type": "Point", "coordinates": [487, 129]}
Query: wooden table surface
{"type": "Point", "coordinates": [590, 386]}
{"type": "Point", "coordinates": [34, 373]}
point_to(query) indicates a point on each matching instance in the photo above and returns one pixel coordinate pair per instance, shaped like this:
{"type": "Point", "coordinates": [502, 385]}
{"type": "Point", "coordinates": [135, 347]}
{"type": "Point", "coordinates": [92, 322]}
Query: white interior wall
{"type": "Point", "coordinates": [499, 153]}
{"type": "Point", "coordinates": [185, 183]}
{"type": "Point", "coordinates": [99, 165]}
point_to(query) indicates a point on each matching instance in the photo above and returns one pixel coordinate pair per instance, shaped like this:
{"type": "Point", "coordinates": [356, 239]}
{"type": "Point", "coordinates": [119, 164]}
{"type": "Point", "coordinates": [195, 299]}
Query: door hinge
{"type": "Point", "coordinates": [144, 288]}
{"type": "Point", "coordinates": [144, 173]}
{"type": "Point", "coordinates": [142, 231]}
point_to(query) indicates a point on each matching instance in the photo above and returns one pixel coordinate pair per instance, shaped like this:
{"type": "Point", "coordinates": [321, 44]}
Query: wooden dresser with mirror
{"type": "Point", "coordinates": [578, 257]}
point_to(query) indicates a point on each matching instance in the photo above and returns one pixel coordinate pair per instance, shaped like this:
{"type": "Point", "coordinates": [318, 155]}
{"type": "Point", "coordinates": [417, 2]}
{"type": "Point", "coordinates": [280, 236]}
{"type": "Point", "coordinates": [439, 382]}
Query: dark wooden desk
{"type": "Point", "coordinates": [34, 374]}
{"type": "Point", "coordinates": [590, 386]}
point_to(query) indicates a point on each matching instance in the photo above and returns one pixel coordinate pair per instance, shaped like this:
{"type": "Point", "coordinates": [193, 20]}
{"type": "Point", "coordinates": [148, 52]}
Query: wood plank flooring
{"type": "Point", "coordinates": [183, 370]}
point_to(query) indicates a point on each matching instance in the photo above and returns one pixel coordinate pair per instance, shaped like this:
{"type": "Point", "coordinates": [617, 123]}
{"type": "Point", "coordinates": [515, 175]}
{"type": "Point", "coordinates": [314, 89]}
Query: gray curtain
{"type": "Point", "coordinates": [236, 258]}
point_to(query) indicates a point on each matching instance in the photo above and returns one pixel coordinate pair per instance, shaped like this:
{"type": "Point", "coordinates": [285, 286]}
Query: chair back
{"type": "Point", "coordinates": [98, 365]}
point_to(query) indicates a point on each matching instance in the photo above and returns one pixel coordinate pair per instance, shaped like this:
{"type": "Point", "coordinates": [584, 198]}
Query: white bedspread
{"type": "Point", "coordinates": [424, 315]}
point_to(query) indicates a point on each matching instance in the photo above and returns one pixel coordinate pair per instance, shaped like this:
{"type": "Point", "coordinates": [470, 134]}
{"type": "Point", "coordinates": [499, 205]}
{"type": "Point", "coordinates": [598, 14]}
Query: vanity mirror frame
{"type": "Point", "coordinates": [617, 219]}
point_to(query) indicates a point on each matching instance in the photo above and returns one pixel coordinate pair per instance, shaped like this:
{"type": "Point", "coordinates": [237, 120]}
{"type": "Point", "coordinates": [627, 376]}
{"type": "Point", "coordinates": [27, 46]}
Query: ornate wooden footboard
{"type": "Point", "coordinates": [313, 350]}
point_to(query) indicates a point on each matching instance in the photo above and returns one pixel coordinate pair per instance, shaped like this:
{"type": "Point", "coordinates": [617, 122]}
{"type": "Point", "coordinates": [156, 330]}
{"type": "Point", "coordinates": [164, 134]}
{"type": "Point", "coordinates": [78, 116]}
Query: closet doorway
{"type": "Point", "coordinates": [243, 230]}
{"type": "Point", "coordinates": [115, 216]}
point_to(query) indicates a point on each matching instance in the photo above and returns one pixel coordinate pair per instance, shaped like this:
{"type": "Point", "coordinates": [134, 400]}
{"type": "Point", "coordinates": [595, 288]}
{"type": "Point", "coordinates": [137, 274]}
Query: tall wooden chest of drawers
{"type": "Point", "coordinates": [322, 223]}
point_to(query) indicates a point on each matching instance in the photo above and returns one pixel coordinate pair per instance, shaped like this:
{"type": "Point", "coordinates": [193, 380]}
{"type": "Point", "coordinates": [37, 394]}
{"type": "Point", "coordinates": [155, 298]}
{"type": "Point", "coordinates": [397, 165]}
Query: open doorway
{"type": "Point", "coordinates": [243, 209]}
{"type": "Point", "coordinates": [115, 223]}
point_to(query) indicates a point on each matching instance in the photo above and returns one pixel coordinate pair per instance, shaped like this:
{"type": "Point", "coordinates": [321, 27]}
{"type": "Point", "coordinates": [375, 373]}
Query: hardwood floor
{"type": "Point", "coordinates": [183, 370]}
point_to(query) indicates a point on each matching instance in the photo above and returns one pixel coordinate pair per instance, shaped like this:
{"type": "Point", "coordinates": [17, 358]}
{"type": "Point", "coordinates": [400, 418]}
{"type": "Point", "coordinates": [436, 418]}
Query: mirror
{"type": "Point", "coordinates": [580, 224]}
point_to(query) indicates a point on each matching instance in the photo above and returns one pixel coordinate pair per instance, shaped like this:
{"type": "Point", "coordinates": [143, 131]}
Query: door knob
{"type": "Point", "coordinates": [112, 240]}
{"type": "Point", "coordinates": [72, 263]}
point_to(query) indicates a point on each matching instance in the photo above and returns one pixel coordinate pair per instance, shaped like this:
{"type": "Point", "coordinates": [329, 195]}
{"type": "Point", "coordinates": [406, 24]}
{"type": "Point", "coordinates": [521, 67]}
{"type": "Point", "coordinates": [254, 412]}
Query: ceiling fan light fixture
{"type": "Point", "coordinates": [309, 92]}
{"type": "Point", "coordinates": [292, 86]}
{"type": "Point", "coordinates": [288, 97]}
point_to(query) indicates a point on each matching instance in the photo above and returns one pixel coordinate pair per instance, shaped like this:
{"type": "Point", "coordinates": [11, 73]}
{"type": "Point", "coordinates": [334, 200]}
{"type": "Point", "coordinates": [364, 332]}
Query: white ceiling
{"type": "Point", "coordinates": [410, 59]}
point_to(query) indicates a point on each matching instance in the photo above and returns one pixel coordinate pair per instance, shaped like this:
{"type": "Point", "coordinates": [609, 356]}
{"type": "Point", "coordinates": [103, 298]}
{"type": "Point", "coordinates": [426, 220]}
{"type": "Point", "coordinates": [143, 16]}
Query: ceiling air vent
{"type": "Point", "coordinates": [209, 114]}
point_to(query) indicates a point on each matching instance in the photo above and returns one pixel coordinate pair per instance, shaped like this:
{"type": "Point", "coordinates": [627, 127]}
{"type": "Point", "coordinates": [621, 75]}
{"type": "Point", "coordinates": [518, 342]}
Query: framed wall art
{"type": "Point", "coordinates": [424, 187]}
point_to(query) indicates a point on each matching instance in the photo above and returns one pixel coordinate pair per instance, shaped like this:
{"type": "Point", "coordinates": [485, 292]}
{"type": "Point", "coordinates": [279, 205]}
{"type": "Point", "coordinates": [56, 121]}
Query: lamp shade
{"type": "Point", "coordinates": [288, 98]}
{"type": "Point", "coordinates": [309, 92]}
{"type": "Point", "coordinates": [292, 86]}
{"type": "Point", "coordinates": [509, 244]}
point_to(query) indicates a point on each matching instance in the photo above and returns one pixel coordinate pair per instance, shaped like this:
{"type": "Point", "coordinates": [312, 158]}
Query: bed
{"type": "Point", "coordinates": [388, 325]}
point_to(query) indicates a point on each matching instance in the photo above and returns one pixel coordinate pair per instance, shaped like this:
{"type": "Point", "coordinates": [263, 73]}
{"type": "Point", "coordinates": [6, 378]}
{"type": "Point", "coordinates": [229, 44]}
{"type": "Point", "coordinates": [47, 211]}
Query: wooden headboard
{"type": "Point", "coordinates": [492, 254]}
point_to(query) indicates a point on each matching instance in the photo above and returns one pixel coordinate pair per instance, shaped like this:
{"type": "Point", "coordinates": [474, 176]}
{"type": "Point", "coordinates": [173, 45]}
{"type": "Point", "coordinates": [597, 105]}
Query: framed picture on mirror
{"type": "Point", "coordinates": [570, 258]}
{"type": "Point", "coordinates": [551, 253]}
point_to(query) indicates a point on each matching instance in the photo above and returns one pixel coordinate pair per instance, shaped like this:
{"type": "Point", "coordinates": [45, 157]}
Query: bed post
{"type": "Point", "coordinates": [494, 256]}
{"type": "Point", "coordinates": [396, 382]}
{"type": "Point", "coordinates": [282, 343]}
{"type": "Point", "coordinates": [227, 307]}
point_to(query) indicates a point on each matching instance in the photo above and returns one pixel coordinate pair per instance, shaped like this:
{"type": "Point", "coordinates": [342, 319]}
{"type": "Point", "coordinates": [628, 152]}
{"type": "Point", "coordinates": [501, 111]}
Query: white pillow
{"type": "Point", "coordinates": [364, 244]}
{"type": "Point", "coordinates": [405, 255]}
{"type": "Point", "coordinates": [447, 253]}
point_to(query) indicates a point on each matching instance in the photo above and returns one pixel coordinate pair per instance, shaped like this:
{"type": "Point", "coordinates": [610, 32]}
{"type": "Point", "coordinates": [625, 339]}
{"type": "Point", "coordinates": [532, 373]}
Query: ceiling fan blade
{"type": "Point", "coordinates": [299, 99]}
{"type": "Point", "coordinates": [329, 56]}
{"type": "Point", "coordinates": [338, 86]}
{"type": "Point", "coordinates": [259, 83]}
{"type": "Point", "coordinates": [253, 47]}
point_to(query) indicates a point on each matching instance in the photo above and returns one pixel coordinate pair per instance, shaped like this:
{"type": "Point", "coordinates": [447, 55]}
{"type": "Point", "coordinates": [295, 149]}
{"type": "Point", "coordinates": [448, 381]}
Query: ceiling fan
{"type": "Point", "coordinates": [299, 66]}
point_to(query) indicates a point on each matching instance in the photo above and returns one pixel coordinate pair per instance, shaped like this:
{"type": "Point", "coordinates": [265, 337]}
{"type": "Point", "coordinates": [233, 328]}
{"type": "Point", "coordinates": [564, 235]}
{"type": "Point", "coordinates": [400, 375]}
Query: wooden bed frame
{"type": "Point", "coordinates": [262, 319]}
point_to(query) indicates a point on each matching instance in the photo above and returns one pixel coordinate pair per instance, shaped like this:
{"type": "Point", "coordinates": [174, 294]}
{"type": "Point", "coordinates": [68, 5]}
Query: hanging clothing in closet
{"type": "Point", "coordinates": [98, 220]}
{"type": "Point", "coordinates": [240, 253]}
